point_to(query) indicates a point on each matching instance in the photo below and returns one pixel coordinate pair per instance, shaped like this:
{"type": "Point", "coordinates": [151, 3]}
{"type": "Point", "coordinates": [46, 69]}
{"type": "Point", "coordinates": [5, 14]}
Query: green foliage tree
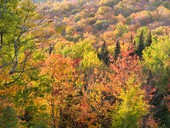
{"type": "Point", "coordinates": [110, 3]}
{"type": "Point", "coordinates": [145, 31]}
{"type": "Point", "coordinates": [131, 109]}
{"type": "Point", "coordinates": [16, 24]}
{"type": "Point", "coordinates": [18, 51]}
{"type": "Point", "coordinates": [140, 46]}
{"type": "Point", "coordinates": [156, 58]}
{"type": "Point", "coordinates": [166, 4]}
{"type": "Point", "coordinates": [90, 60]}
{"type": "Point", "coordinates": [121, 29]}
{"type": "Point", "coordinates": [149, 39]}
{"type": "Point", "coordinates": [101, 24]}
{"type": "Point", "coordinates": [104, 54]}
{"type": "Point", "coordinates": [77, 50]}
{"type": "Point", "coordinates": [8, 118]}
{"type": "Point", "coordinates": [131, 39]}
{"type": "Point", "coordinates": [117, 50]}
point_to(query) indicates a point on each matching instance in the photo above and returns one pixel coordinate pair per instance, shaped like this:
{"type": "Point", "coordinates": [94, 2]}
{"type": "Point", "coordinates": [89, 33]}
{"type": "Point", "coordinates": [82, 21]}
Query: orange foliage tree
{"type": "Point", "coordinates": [61, 75]}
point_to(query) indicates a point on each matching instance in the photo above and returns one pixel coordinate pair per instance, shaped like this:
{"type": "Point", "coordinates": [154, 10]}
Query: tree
{"type": "Point", "coordinates": [131, 39]}
{"type": "Point", "coordinates": [16, 44]}
{"type": "Point", "coordinates": [108, 2]}
{"type": "Point", "coordinates": [132, 108]}
{"type": "Point", "coordinates": [8, 118]}
{"type": "Point", "coordinates": [60, 73]}
{"type": "Point", "coordinates": [89, 62]}
{"type": "Point", "coordinates": [156, 59]}
{"type": "Point", "coordinates": [149, 39]}
{"type": "Point", "coordinates": [121, 29]}
{"type": "Point", "coordinates": [126, 79]}
{"type": "Point", "coordinates": [18, 60]}
{"type": "Point", "coordinates": [132, 46]}
{"type": "Point", "coordinates": [104, 54]}
{"type": "Point", "coordinates": [140, 46]}
{"type": "Point", "coordinates": [117, 50]}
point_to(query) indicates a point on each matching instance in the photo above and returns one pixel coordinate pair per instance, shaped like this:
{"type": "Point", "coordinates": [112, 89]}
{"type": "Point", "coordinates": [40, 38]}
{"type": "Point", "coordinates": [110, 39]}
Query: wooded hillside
{"type": "Point", "coordinates": [84, 64]}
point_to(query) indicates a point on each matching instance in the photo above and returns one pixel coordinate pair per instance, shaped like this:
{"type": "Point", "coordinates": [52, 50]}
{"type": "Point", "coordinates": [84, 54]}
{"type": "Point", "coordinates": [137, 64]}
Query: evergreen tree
{"type": "Point", "coordinates": [132, 47]}
{"type": "Point", "coordinates": [134, 43]}
{"type": "Point", "coordinates": [149, 39]}
{"type": "Point", "coordinates": [140, 46]}
{"type": "Point", "coordinates": [131, 39]}
{"type": "Point", "coordinates": [131, 43]}
{"type": "Point", "coordinates": [117, 50]}
{"type": "Point", "coordinates": [104, 54]}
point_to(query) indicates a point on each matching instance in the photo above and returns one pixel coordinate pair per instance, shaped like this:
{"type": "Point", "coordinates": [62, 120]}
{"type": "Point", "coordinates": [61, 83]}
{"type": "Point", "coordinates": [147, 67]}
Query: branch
{"type": "Point", "coordinates": [29, 10]}
{"type": "Point", "coordinates": [22, 71]}
{"type": "Point", "coordinates": [4, 65]}
{"type": "Point", "coordinates": [1, 40]}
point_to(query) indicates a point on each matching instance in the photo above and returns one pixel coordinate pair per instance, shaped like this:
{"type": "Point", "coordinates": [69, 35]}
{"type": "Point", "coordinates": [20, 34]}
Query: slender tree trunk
{"type": "Point", "coordinates": [61, 118]}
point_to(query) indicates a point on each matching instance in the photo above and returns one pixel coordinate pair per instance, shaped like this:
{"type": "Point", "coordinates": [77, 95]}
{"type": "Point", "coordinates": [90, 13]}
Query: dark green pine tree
{"type": "Point", "coordinates": [140, 46]}
{"type": "Point", "coordinates": [131, 43]}
{"type": "Point", "coordinates": [134, 43]}
{"type": "Point", "coordinates": [104, 54]}
{"type": "Point", "coordinates": [131, 39]}
{"type": "Point", "coordinates": [116, 51]}
{"type": "Point", "coordinates": [149, 39]}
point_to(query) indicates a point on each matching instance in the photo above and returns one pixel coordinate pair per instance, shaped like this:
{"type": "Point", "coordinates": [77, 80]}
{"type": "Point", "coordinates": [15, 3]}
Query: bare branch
{"type": "Point", "coordinates": [1, 34]}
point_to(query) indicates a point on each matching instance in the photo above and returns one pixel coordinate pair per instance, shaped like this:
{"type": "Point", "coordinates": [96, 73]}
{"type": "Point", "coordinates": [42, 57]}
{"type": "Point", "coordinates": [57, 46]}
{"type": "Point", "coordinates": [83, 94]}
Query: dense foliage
{"type": "Point", "coordinates": [84, 64]}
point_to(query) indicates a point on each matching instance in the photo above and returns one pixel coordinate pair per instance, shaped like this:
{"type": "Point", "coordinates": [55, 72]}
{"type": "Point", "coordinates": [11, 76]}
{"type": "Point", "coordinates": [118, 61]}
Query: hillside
{"type": "Point", "coordinates": [85, 64]}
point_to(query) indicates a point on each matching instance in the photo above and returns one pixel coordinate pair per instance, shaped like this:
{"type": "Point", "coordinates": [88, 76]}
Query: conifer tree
{"type": "Point", "coordinates": [132, 46]}
{"type": "Point", "coordinates": [131, 43]}
{"type": "Point", "coordinates": [104, 54]}
{"type": "Point", "coordinates": [117, 50]}
{"type": "Point", "coordinates": [134, 43]}
{"type": "Point", "coordinates": [149, 39]}
{"type": "Point", "coordinates": [140, 46]}
{"type": "Point", "coordinates": [131, 39]}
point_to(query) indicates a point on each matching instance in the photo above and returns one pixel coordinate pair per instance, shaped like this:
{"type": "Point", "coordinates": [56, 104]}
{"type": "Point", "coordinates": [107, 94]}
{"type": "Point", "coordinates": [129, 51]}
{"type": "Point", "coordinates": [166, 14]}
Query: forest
{"type": "Point", "coordinates": [84, 63]}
